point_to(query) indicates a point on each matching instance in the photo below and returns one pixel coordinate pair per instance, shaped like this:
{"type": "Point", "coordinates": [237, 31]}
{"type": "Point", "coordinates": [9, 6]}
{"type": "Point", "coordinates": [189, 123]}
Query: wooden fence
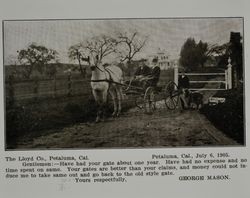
{"type": "Point", "coordinates": [46, 88]}
{"type": "Point", "coordinates": [218, 78]}
{"type": "Point", "coordinates": [66, 85]}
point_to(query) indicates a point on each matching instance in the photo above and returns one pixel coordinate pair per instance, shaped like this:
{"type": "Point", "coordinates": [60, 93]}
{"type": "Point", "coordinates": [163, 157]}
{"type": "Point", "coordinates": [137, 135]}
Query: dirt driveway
{"type": "Point", "coordinates": [164, 128]}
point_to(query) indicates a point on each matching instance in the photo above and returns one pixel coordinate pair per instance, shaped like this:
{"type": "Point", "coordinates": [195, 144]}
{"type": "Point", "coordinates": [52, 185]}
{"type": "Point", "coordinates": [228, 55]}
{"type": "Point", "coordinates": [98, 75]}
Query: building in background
{"type": "Point", "coordinates": [164, 59]}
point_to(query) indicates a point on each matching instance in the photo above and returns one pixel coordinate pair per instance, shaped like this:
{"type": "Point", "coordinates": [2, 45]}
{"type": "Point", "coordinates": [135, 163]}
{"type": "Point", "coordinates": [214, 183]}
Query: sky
{"type": "Point", "coordinates": [164, 34]}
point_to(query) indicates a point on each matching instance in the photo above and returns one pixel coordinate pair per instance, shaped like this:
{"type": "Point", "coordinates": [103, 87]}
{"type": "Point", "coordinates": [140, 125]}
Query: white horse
{"type": "Point", "coordinates": [105, 80]}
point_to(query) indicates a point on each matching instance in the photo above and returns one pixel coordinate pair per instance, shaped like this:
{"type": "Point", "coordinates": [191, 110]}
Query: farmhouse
{"type": "Point", "coordinates": [164, 59]}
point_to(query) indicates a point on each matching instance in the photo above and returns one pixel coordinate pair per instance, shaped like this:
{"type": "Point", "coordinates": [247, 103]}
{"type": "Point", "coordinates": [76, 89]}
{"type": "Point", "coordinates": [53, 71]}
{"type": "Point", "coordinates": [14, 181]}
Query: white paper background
{"type": "Point", "coordinates": [138, 187]}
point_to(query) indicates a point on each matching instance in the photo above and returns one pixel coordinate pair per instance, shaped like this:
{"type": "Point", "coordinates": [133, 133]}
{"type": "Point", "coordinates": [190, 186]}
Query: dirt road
{"type": "Point", "coordinates": [135, 129]}
{"type": "Point", "coordinates": [164, 128]}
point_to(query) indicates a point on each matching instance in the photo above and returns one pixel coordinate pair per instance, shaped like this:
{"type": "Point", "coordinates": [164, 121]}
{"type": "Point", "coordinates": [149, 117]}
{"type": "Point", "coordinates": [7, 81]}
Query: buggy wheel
{"type": "Point", "coordinates": [171, 95]}
{"type": "Point", "coordinates": [171, 102]}
{"type": "Point", "coordinates": [149, 100]}
{"type": "Point", "coordinates": [171, 88]}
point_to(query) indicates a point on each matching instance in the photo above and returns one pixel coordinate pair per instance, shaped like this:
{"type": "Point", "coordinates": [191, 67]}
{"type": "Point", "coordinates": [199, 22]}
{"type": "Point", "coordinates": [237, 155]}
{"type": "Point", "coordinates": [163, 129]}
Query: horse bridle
{"type": "Point", "coordinates": [103, 80]}
{"type": "Point", "coordinates": [88, 60]}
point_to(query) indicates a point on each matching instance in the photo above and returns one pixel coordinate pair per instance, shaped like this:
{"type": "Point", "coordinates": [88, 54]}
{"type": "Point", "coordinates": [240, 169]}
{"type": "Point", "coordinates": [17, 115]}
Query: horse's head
{"type": "Point", "coordinates": [96, 63]}
{"type": "Point", "coordinates": [92, 66]}
{"type": "Point", "coordinates": [93, 61]}
{"type": "Point", "coordinates": [86, 60]}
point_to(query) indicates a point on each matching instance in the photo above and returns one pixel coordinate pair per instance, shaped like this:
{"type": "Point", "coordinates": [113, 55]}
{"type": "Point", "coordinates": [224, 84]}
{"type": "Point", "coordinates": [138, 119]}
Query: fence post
{"type": "Point", "coordinates": [226, 79]}
{"type": "Point", "coordinates": [176, 74]}
{"type": "Point", "coordinates": [229, 74]}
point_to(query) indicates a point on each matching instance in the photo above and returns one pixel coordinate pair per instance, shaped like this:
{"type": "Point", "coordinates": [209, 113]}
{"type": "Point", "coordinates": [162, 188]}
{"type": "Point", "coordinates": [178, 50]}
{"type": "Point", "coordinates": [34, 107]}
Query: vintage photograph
{"type": "Point", "coordinates": [124, 83]}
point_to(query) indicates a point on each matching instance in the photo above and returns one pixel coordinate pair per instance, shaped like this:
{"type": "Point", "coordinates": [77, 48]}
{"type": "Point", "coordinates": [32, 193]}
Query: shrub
{"type": "Point", "coordinates": [228, 116]}
{"type": "Point", "coordinates": [19, 120]}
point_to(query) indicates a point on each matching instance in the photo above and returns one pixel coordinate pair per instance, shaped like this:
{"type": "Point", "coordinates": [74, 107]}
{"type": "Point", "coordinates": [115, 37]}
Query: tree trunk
{"type": "Point", "coordinates": [82, 70]}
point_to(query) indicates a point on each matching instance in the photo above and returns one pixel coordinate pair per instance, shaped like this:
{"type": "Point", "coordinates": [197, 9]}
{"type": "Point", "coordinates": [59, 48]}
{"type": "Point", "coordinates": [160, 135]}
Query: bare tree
{"type": "Point", "coordinates": [100, 47]}
{"type": "Point", "coordinates": [76, 52]}
{"type": "Point", "coordinates": [131, 45]}
{"type": "Point", "coordinates": [215, 49]}
{"type": "Point", "coordinates": [97, 48]}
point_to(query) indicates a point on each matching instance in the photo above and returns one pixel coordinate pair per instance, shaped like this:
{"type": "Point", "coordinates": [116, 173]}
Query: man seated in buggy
{"type": "Point", "coordinates": [146, 76]}
{"type": "Point", "coordinates": [152, 78]}
{"type": "Point", "coordinates": [141, 74]}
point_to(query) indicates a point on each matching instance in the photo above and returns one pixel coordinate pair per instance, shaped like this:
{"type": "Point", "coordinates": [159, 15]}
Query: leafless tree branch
{"type": "Point", "coordinates": [131, 45]}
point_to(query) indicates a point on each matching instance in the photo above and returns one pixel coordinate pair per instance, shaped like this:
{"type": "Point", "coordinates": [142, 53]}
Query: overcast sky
{"type": "Point", "coordinates": [167, 34]}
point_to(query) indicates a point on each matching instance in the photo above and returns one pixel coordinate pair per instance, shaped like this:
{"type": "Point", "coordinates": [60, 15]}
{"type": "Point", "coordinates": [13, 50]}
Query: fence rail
{"type": "Point", "coordinates": [208, 81]}
{"type": "Point", "coordinates": [204, 74]}
{"type": "Point", "coordinates": [46, 88]}
{"type": "Point", "coordinates": [68, 85]}
{"type": "Point", "coordinates": [227, 81]}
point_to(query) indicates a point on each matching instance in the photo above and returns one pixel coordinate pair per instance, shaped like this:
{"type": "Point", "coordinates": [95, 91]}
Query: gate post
{"type": "Point", "coordinates": [226, 79]}
{"type": "Point", "coordinates": [176, 74]}
{"type": "Point", "coordinates": [229, 74]}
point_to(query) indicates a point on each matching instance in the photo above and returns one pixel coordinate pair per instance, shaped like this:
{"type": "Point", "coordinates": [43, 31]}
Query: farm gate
{"type": "Point", "coordinates": [215, 78]}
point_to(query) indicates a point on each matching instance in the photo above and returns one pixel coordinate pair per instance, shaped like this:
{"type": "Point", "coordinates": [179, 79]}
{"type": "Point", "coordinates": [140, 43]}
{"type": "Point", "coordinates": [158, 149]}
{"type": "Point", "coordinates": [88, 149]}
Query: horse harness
{"type": "Point", "coordinates": [110, 80]}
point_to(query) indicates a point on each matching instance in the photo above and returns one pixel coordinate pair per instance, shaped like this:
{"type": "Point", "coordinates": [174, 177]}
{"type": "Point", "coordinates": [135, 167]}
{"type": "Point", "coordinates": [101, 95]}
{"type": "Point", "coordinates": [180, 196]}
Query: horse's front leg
{"type": "Point", "coordinates": [112, 93]}
{"type": "Point", "coordinates": [119, 98]}
{"type": "Point", "coordinates": [104, 104]}
{"type": "Point", "coordinates": [99, 103]}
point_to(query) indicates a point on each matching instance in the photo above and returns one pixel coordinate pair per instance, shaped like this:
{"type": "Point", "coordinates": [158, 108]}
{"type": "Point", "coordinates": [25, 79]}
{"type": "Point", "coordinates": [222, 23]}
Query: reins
{"type": "Point", "coordinates": [99, 68]}
{"type": "Point", "coordinates": [109, 81]}
{"type": "Point", "coordinates": [121, 84]}
{"type": "Point", "coordinates": [103, 80]}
